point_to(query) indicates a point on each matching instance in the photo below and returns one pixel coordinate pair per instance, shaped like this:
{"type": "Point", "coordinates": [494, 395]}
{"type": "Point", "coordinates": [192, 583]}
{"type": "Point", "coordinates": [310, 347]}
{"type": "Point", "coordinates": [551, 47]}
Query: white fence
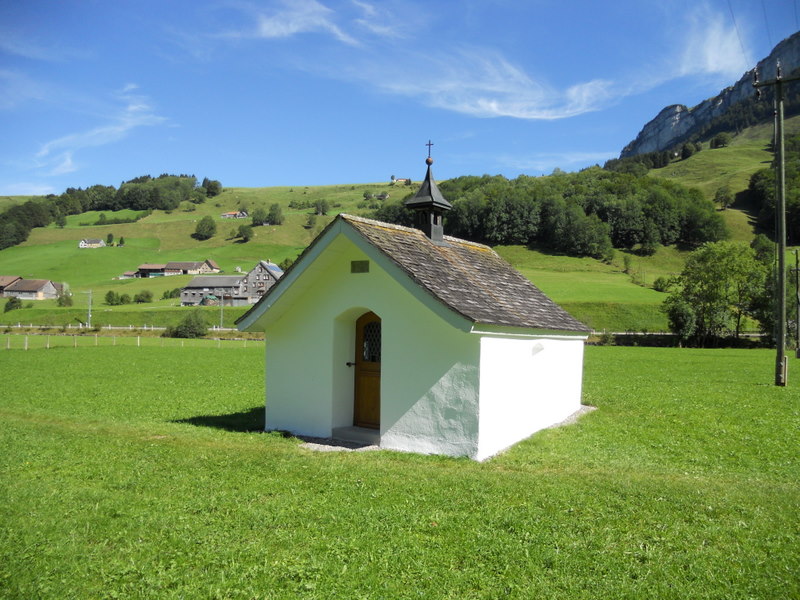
{"type": "Point", "coordinates": [48, 341]}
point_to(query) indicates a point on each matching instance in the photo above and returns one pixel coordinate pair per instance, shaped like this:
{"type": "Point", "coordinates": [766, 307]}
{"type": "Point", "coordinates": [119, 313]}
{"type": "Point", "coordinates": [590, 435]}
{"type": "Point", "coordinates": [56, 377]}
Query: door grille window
{"type": "Point", "coordinates": [372, 342]}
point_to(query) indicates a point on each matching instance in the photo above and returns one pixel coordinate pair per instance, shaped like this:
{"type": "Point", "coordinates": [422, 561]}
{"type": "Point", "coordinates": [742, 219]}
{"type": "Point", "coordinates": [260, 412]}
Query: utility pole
{"type": "Point", "coordinates": [780, 208]}
{"type": "Point", "coordinates": [89, 315]}
{"type": "Point", "coordinates": [796, 272]}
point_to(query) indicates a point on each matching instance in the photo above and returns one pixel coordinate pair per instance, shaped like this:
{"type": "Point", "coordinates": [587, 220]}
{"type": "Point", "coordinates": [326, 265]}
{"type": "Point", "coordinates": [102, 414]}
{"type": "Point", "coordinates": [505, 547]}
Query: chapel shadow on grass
{"type": "Point", "coordinates": [242, 422]}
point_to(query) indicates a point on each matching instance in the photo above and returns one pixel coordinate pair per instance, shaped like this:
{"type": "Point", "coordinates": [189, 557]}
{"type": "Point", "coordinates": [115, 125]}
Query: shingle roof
{"type": "Point", "coordinates": [471, 279]}
{"type": "Point", "coordinates": [211, 281]}
{"type": "Point", "coordinates": [151, 266]}
{"type": "Point", "coordinates": [27, 285]}
{"type": "Point", "coordinates": [187, 265]}
{"type": "Point", "coordinates": [7, 279]}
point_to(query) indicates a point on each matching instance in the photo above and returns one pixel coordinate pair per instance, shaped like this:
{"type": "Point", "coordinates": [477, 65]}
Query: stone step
{"type": "Point", "coordinates": [361, 435]}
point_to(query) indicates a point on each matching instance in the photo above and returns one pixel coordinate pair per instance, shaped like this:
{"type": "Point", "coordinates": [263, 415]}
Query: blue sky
{"type": "Point", "coordinates": [311, 92]}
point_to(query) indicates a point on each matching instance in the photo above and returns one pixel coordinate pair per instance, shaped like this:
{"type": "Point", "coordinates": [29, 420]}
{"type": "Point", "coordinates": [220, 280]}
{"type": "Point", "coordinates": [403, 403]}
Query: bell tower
{"type": "Point", "coordinates": [429, 206]}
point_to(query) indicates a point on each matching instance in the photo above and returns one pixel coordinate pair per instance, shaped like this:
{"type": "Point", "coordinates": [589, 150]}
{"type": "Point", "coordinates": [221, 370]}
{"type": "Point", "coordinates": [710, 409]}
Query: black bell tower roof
{"type": "Point", "coordinates": [430, 205]}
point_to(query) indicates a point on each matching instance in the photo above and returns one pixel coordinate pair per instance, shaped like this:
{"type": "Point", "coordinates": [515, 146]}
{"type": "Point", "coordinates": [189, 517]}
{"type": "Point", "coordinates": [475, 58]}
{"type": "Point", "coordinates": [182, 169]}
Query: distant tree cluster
{"type": "Point", "coordinates": [114, 299]}
{"type": "Point", "coordinates": [581, 214]}
{"type": "Point", "coordinates": [173, 293]}
{"type": "Point", "coordinates": [144, 193]}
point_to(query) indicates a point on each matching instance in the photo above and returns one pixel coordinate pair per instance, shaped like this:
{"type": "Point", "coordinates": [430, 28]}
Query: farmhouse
{"type": "Point", "coordinates": [260, 279]}
{"type": "Point", "coordinates": [211, 290]}
{"type": "Point", "coordinates": [191, 267]}
{"type": "Point", "coordinates": [414, 340]}
{"type": "Point", "coordinates": [91, 243]}
{"type": "Point", "coordinates": [151, 270]}
{"type": "Point", "coordinates": [233, 290]}
{"type": "Point", "coordinates": [32, 289]}
{"type": "Point", "coordinates": [235, 214]}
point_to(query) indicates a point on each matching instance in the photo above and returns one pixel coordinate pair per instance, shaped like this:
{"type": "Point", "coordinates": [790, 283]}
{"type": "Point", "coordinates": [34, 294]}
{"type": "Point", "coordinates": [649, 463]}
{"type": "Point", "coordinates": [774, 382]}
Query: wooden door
{"type": "Point", "coordinates": [367, 411]}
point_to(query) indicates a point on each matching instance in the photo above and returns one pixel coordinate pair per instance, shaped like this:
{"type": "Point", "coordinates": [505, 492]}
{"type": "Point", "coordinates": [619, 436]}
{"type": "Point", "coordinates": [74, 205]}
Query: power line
{"type": "Point", "coordinates": [796, 20]}
{"type": "Point", "coordinates": [738, 34]}
{"type": "Point", "coordinates": [766, 23]}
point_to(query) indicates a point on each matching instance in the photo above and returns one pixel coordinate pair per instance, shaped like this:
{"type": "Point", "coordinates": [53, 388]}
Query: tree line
{"type": "Point", "coordinates": [164, 192]}
{"type": "Point", "coordinates": [588, 213]}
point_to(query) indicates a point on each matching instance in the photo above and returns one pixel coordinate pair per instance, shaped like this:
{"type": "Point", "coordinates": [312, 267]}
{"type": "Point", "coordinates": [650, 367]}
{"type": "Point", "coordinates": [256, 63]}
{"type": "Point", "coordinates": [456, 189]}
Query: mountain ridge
{"type": "Point", "coordinates": [676, 123]}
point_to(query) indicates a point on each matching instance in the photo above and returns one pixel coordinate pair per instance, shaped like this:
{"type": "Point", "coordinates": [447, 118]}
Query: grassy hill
{"type": "Point", "coordinates": [602, 295]}
{"type": "Point", "coordinates": [732, 165]}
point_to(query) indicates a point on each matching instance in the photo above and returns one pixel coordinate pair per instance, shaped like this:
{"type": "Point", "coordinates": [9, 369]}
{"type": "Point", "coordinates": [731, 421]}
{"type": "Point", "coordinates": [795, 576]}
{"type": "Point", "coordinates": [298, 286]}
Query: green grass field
{"type": "Point", "coordinates": [136, 473]}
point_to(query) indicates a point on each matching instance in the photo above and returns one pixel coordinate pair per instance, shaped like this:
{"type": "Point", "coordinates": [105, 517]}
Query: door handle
{"type": "Point", "coordinates": [350, 364]}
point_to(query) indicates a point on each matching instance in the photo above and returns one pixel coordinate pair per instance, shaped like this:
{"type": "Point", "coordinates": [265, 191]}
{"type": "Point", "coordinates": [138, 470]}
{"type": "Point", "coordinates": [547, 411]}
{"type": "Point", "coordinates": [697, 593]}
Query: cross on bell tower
{"type": "Point", "coordinates": [429, 205]}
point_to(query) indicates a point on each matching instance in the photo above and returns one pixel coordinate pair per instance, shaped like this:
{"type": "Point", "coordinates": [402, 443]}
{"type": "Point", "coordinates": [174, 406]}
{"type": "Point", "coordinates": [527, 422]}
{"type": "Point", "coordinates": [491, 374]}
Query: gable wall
{"type": "Point", "coordinates": [429, 379]}
{"type": "Point", "coordinates": [526, 384]}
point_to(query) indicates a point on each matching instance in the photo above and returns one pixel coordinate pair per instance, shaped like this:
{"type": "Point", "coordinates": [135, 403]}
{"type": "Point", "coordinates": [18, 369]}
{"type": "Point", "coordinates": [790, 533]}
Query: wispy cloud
{"type": "Point", "coordinates": [483, 83]}
{"type": "Point", "coordinates": [134, 112]}
{"type": "Point", "coordinates": [296, 17]}
{"type": "Point", "coordinates": [381, 23]}
{"type": "Point", "coordinates": [712, 45]}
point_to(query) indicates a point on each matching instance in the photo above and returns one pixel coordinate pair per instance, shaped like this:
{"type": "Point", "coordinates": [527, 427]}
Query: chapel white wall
{"type": "Point", "coordinates": [430, 370]}
{"type": "Point", "coordinates": [526, 384]}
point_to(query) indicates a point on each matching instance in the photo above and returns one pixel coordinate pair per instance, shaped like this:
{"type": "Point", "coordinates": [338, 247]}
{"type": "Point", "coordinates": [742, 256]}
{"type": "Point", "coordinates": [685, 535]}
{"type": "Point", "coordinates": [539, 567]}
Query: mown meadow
{"type": "Point", "coordinates": [133, 472]}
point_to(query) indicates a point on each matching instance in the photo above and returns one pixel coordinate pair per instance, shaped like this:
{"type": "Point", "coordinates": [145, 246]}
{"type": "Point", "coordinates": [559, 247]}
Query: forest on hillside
{"type": "Point", "coordinates": [588, 213]}
{"type": "Point", "coordinates": [762, 192]}
{"type": "Point", "coordinates": [144, 193]}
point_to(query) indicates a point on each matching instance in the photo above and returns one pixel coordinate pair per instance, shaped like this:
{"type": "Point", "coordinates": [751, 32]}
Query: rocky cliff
{"type": "Point", "coordinates": [676, 123]}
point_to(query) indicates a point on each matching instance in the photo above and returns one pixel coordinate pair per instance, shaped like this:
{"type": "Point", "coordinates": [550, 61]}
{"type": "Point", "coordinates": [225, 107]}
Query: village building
{"type": "Point", "coordinates": [32, 289]}
{"type": "Point", "coordinates": [191, 267]}
{"type": "Point", "coordinates": [211, 290]}
{"type": "Point", "coordinates": [260, 279]}
{"type": "Point", "coordinates": [231, 290]}
{"type": "Point", "coordinates": [235, 214]}
{"type": "Point", "coordinates": [148, 270]}
{"type": "Point", "coordinates": [91, 243]}
{"type": "Point", "coordinates": [414, 340]}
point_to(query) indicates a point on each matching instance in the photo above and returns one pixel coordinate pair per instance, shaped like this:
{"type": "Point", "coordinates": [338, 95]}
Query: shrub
{"type": "Point", "coordinates": [13, 304]}
{"type": "Point", "coordinates": [64, 299]}
{"type": "Point", "coordinates": [662, 284]}
{"type": "Point", "coordinates": [205, 229]}
{"type": "Point", "coordinates": [143, 296]}
{"type": "Point", "coordinates": [193, 325]}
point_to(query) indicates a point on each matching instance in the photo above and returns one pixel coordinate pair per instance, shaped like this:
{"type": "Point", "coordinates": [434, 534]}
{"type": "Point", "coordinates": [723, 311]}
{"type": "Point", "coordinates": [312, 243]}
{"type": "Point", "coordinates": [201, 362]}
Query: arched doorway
{"type": "Point", "coordinates": [367, 384]}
